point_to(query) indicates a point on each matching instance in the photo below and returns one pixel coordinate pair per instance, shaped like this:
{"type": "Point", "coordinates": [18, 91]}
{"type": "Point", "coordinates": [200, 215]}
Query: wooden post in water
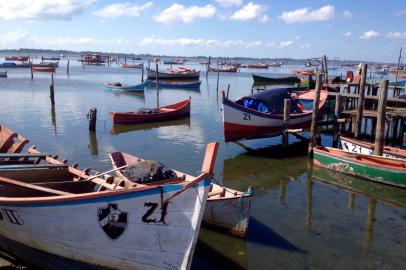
{"type": "Point", "coordinates": [32, 73]}
{"type": "Point", "coordinates": [218, 79]}
{"type": "Point", "coordinates": [286, 117]}
{"type": "Point", "coordinates": [337, 125]}
{"type": "Point", "coordinates": [51, 90]}
{"type": "Point", "coordinates": [67, 68]}
{"type": "Point", "coordinates": [360, 109]}
{"type": "Point", "coordinates": [157, 84]}
{"type": "Point", "coordinates": [313, 127]}
{"type": "Point", "coordinates": [380, 123]}
{"type": "Point", "coordinates": [92, 115]}
{"type": "Point", "coordinates": [142, 72]}
{"type": "Point", "coordinates": [325, 68]}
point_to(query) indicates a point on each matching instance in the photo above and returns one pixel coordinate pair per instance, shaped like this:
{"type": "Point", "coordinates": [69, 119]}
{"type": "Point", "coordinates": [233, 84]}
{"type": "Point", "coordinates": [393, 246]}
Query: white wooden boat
{"type": "Point", "coordinates": [242, 121]}
{"type": "Point", "coordinates": [226, 208]}
{"type": "Point", "coordinates": [93, 223]}
{"type": "Point", "coordinates": [366, 148]}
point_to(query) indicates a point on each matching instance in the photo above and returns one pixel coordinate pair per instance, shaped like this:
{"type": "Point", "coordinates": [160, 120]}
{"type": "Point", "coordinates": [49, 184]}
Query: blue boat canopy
{"type": "Point", "coordinates": [270, 101]}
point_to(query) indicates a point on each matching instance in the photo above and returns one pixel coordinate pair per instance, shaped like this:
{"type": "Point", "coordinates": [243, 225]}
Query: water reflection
{"type": "Point", "coordinates": [94, 150]}
{"type": "Point", "coordinates": [53, 118]}
{"type": "Point", "coordinates": [117, 128]}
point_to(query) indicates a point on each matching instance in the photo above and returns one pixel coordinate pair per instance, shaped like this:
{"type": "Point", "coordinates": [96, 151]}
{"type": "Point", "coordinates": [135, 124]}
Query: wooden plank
{"type": "Point", "coordinates": [34, 187]}
{"type": "Point", "coordinates": [18, 155]}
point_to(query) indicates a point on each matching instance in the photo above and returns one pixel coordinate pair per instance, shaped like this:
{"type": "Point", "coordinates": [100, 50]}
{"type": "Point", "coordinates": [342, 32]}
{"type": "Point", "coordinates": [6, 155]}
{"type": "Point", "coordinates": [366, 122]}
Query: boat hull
{"type": "Point", "coordinates": [242, 123]}
{"type": "Point", "coordinates": [177, 110]}
{"type": "Point", "coordinates": [177, 85]}
{"type": "Point", "coordinates": [350, 165]}
{"type": "Point", "coordinates": [130, 88]}
{"type": "Point", "coordinates": [129, 230]}
{"type": "Point", "coordinates": [360, 147]}
{"type": "Point", "coordinates": [194, 75]}
{"type": "Point", "coordinates": [269, 80]}
{"type": "Point", "coordinates": [231, 214]}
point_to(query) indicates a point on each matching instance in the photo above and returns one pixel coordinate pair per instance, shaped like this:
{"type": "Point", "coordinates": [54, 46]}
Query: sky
{"type": "Point", "coordinates": [348, 30]}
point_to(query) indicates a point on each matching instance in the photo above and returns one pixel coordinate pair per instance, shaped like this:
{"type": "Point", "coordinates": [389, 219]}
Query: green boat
{"type": "Point", "coordinates": [374, 168]}
{"type": "Point", "coordinates": [384, 193]}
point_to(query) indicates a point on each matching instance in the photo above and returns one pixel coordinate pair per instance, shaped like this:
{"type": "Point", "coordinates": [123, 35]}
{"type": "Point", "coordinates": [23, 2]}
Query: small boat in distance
{"type": "Point", "coordinates": [261, 115]}
{"type": "Point", "coordinates": [223, 69]}
{"type": "Point", "coordinates": [258, 65]}
{"type": "Point", "coordinates": [226, 208]}
{"type": "Point", "coordinates": [43, 69]}
{"type": "Point", "coordinates": [3, 74]}
{"type": "Point", "coordinates": [139, 88]}
{"type": "Point", "coordinates": [275, 80]}
{"type": "Point", "coordinates": [124, 65]}
{"type": "Point", "coordinates": [174, 84]}
{"type": "Point", "coordinates": [374, 168]}
{"type": "Point", "coordinates": [173, 111]}
{"type": "Point", "coordinates": [366, 148]}
{"type": "Point", "coordinates": [174, 74]}
{"type": "Point", "coordinates": [17, 58]}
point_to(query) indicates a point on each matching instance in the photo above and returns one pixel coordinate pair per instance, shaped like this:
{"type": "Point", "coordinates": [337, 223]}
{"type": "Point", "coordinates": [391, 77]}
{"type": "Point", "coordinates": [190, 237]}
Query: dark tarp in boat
{"type": "Point", "coordinates": [270, 101]}
{"type": "Point", "coordinates": [148, 171]}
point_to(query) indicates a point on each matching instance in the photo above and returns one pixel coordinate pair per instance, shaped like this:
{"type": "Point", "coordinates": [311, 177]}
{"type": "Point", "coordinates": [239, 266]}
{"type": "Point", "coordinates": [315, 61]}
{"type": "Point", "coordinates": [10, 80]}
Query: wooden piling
{"type": "Point", "coordinates": [32, 73]}
{"type": "Point", "coordinates": [67, 68]}
{"type": "Point", "coordinates": [51, 90]}
{"type": "Point", "coordinates": [218, 79]}
{"type": "Point", "coordinates": [157, 76]}
{"type": "Point", "coordinates": [286, 117]}
{"type": "Point", "coordinates": [325, 68]}
{"type": "Point", "coordinates": [313, 127]}
{"type": "Point", "coordinates": [142, 73]}
{"type": "Point", "coordinates": [360, 109]}
{"type": "Point", "coordinates": [92, 115]}
{"type": "Point", "coordinates": [380, 123]}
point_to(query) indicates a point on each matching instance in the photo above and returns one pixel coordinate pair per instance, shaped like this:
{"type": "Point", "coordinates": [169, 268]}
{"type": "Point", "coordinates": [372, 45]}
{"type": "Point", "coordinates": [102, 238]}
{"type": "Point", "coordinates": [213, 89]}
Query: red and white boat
{"type": "Point", "coordinates": [261, 115]}
{"type": "Point", "coordinates": [43, 69]}
{"type": "Point", "coordinates": [125, 65]}
{"type": "Point", "coordinates": [258, 65]}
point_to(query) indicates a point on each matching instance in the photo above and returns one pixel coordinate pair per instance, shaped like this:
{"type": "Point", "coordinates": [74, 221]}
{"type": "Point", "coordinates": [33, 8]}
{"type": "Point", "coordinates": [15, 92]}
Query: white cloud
{"type": "Point", "coordinates": [178, 12]}
{"type": "Point", "coordinates": [347, 14]}
{"type": "Point", "coordinates": [42, 9]}
{"type": "Point", "coordinates": [396, 35]}
{"type": "Point", "coordinates": [400, 12]}
{"type": "Point", "coordinates": [368, 35]}
{"type": "Point", "coordinates": [305, 46]}
{"type": "Point", "coordinates": [285, 44]}
{"type": "Point", "coordinates": [229, 3]}
{"type": "Point", "coordinates": [347, 34]}
{"type": "Point", "coordinates": [122, 9]}
{"type": "Point", "coordinates": [307, 15]}
{"type": "Point", "coordinates": [13, 37]}
{"type": "Point", "coordinates": [249, 12]}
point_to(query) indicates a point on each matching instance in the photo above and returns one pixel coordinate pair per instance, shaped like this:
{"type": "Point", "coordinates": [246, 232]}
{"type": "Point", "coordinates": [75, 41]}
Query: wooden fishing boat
{"type": "Point", "coordinates": [3, 74]}
{"type": "Point", "coordinates": [275, 64]}
{"type": "Point", "coordinates": [14, 65]}
{"type": "Point", "coordinates": [17, 58]}
{"type": "Point", "coordinates": [275, 80]}
{"type": "Point", "coordinates": [124, 65]}
{"type": "Point", "coordinates": [173, 111]}
{"type": "Point", "coordinates": [46, 64]}
{"type": "Point", "coordinates": [374, 168]}
{"type": "Point", "coordinates": [261, 115]}
{"type": "Point", "coordinates": [258, 65]}
{"type": "Point", "coordinates": [138, 88]}
{"type": "Point", "coordinates": [226, 208]}
{"type": "Point", "coordinates": [366, 148]}
{"type": "Point", "coordinates": [384, 193]}
{"type": "Point", "coordinates": [43, 69]}
{"type": "Point", "coordinates": [174, 74]}
{"type": "Point", "coordinates": [174, 62]}
{"type": "Point", "coordinates": [223, 69]}
{"type": "Point", "coordinates": [174, 84]}
{"type": "Point", "coordinates": [94, 223]}
{"type": "Point", "coordinates": [10, 141]}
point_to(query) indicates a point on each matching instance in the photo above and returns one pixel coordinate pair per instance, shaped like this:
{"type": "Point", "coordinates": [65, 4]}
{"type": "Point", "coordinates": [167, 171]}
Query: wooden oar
{"type": "Point", "coordinates": [106, 172]}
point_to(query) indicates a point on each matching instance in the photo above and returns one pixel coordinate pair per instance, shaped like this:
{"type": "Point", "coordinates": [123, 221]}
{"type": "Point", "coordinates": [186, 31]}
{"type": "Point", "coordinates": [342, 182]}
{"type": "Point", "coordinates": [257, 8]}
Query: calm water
{"type": "Point", "coordinates": [297, 222]}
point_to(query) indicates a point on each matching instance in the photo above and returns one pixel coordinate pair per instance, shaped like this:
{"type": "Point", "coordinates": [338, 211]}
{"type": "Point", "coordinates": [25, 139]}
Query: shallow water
{"type": "Point", "coordinates": [297, 221]}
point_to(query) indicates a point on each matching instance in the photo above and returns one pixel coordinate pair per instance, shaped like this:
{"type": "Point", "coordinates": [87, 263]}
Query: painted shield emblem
{"type": "Point", "coordinates": [112, 220]}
